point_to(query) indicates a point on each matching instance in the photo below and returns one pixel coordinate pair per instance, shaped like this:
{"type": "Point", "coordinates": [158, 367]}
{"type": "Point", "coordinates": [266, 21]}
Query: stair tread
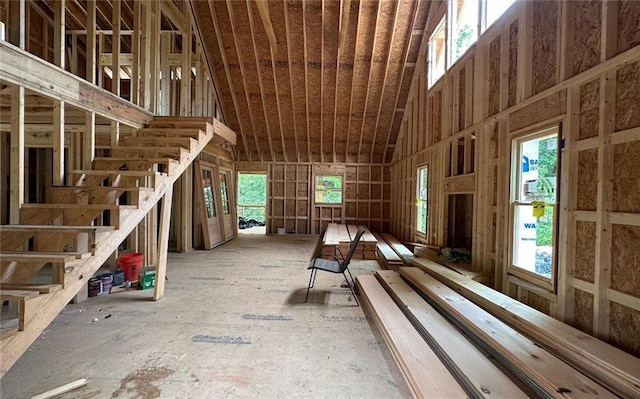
{"type": "Point", "coordinates": [140, 173]}
{"type": "Point", "coordinates": [18, 295]}
{"type": "Point", "coordinates": [105, 188]}
{"type": "Point", "coordinates": [76, 206]}
{"type": "Point", "coordinates": [55, 229]}
{"type": "Point", "coordinates": [43, 256]}
{"type": "Point", "coordinates": [40, 288]}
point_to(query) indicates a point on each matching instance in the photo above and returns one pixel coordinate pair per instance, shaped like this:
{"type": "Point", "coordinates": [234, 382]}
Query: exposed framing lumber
{"type": "Point", "coordinates": [263, 10]}
{"type": "Point", "coordinates": [163, 241]}
{"type": "Point", "coordinates": [17, 183]}
{"type": "Point", "coordinates": [292, 89]}
{"type": "Point", "coordinates": [17, 23]}
{"type": "Point", "coordinates": [21, 68]}
{"type": "Point", "coordinates": [306, 79]}
{"type": "Point", "coordinates": [353, 84]}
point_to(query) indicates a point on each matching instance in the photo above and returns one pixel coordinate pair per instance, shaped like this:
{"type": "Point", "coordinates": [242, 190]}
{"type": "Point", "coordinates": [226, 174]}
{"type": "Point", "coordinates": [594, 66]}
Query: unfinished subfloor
{"type": "Point", "coordinates": [233, 324]}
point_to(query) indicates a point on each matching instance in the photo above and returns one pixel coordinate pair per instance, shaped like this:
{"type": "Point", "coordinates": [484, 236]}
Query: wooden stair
{"type": "Point", "coordinates": [121, 189]}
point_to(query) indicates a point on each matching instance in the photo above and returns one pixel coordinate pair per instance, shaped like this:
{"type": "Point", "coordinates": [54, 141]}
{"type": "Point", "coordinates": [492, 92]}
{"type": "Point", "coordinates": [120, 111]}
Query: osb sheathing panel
{"type": "Point", "coordinates": [350, 190]}
{"type": "Point", "coordinates": [290, 189]}
{"type": "Point", "coordinates": [436, 121]}
{"type": "Point", "coordinates": [301, 226]}
{"type": "Point", "coordinates": [313, 25]}
{"type": "Point", "coordinates": [538, 302]}
{"type": "Point", "coordinates": [462, 90]}
{"type": "Point", "coordinates": [513, 63]}
{"type": "Point", "coordinates": [624, 325]}
{"type": "Point", "coordinates": [302, 207]}
{"type": "Point", "coordinates": [376, 191]}
{"type": "Point", "coordinates": [494, 192]}
{"type": "Point", "coordinates": [363, 173]}
{"type": "Point", "coordinates": [350, 209]}
{"type": "Point", "coordinates": [587, 180]}
{"type": "Point", "coordinates": [303, 190]}
{"type": "Point", "coordinates": [628, 27]}
{"type": "Point", "coordinates": [376, 210]}
{"type": "Point", "coordinates": [277, 189]}
{"type": "Point", "coordinates": [363, 191]}
{"type": "Point", "coordinates": [494, 76]}
{"type": "Point", "coordinates": [626, 178]}
{"type": "Point", "coordinates": [585, 252]}
{"type": "Point", "coordinates": [545, 35]}
{"type": "Point", "coordinates": [345, 80]}
{"type": "Point", "coordinates": [376, 173]}
{"type": "Point", "coordinates": [625, 259]}
{"type": "Point", "coordinates": [290, 173]}
{"type": "Point", "coordinates": [589, 109]}
{"type": "Point", "coordinates": [628, 97]}
{"type": "Point", "coordinates": [277, 172]}
{"type": "Point", "coordinates": [277, 208]}
{"type": "Point", "coordinates": [363, 211]}
{"type": "Point", "coordinates": [330, 32]}
{"type": "Point", "coordinates": [583, 311]}
{"type": "Point", "coordinates": [296, 38]}
{"type": "Point", "coordinates": [587, 23]}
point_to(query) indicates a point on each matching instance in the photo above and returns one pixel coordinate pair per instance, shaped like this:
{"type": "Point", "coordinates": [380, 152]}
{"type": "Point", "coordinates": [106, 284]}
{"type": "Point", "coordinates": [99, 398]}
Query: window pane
{"type": "Point", "coordinates": [422, 214]}
{"type": "Point", "coordinates": [495, 9]}
{"type": "Point", "coordinates": [538, 169]}
{"type": "Point", "coordinates": [328, 189]}
{"type": "Point", "coordinates": [533, 240]}
{"type": "Point", "coordinates": [437, 47]}
{"type": "Point", "coordinates": [464, 20]}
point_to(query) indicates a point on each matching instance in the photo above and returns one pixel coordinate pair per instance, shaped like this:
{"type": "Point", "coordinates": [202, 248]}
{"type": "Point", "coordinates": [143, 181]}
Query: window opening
{"type": "Point", "coordinates": [437, 47]}
{"type": "Point", "coordinates": [534, 201]}
{"type": "Point", "coordinates": [493, 9]}
{"type": "Point", "coordinates": [422, 200]}
{"type": "Point", "coordinates": [463, 17]}
{"type": "Point", "coordinates": [328, 189]}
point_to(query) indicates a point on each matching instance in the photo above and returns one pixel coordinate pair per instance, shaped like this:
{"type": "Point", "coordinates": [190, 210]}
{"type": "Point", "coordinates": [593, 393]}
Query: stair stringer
{"type": "Point", "coordinates": [49, 306]}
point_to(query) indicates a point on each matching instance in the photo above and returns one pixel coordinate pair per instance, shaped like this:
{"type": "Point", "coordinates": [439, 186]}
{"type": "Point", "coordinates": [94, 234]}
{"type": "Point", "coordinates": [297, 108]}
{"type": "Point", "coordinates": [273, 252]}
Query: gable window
{"type": "Point", "coordinates": [422, 200]}
{"type": "Point", "coordinates": [534, 206]}
{"type": "Point", "coordinates": [328, 189]}
{"type": "Point", "coordinates": [493, 9]}
{"type": "Point", "coordinates": [437, 53]}
{"type": "Point", "coordinates": [463, 17]}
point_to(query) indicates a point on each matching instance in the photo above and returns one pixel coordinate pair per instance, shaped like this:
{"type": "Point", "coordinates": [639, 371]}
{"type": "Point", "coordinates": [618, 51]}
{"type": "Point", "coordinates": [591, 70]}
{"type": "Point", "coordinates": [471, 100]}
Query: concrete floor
{"type": "Point", "coordinates": [233, 324]}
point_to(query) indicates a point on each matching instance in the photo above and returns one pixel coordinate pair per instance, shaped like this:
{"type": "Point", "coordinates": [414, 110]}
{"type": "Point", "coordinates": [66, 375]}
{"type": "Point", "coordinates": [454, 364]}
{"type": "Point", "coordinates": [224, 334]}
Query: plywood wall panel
{"type": "Point", "coordinates": [494, 76]}
{"type": "Point", "coordinates": [544, 52]}
{"type": "Point", "coordinates": [587, 180]}
{"type": "Point", "coordinates": [625, 262]}
{"type": "Point", "coordinates": [628, 97]}
{"type": "Point", "coordinates": [584, 52]}
{"type": "Point", "coordinates": [583, 311]}
{"type": "Point", "coordinates": [537, 302]}
{"type": "Point", "coordinates": [513, 64]}
{"type": "Point", "coordinates": [628, 27]}
{"type": "Point", "coordinates": [624, 325]}
{"type": "Point", "coordinates": [585, 251]}
{"type": "Point", "coordinates": [626, 178]}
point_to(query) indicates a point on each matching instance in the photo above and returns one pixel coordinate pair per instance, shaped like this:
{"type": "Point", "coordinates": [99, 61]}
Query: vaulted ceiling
{"type": "Point", "coordinates": [313, 80]}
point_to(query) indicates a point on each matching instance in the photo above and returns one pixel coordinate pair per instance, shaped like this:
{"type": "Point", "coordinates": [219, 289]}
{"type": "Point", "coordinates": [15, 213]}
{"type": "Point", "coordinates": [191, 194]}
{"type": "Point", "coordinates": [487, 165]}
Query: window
{"type": "Point", "coordinates": [437, 59]}
{"type": "Point", "coordinates": [533, 205]}
{"type": "Point", "coordinates": [224, 192]}
{"type": "Point", "coordinates": [1, 30]}
{"type": "Point", "coordinates": [328, 189]}
{"type": "Point", "coordinates": [422, 200]}
{"type": "Point", "coordinates": [463, 17]}
{"type": "Point", "coordinates": [493, 9]}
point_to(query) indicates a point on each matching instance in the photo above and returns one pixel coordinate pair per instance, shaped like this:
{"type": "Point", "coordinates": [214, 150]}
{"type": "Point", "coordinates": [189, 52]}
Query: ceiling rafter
{"type": "Point", "coordinates": [260, 83]}
{"type": "Point", "coordinates": [322, 83]}
{"type": "Point", "coordinates": [225, 62]}
{"type": "Point", "coordinates": [386, 70]}
{"type": "Point", "coordinates": [423, 43]}
{"type": "Point", "coordinates": [306, 77]}
{"type": "Point", "coordinates": [371, 66]}
{"type": "Point", "coordinates": [263, 10]}
{"type": "Point", "coordinates": [293, 98]}
{"type": "Point", "coordinates": [259, 149]}
{"type": "Point", "coordinates": [353, 80]}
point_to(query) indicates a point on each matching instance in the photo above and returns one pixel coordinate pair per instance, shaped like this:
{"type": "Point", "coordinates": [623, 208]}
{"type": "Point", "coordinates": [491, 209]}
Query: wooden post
{"type": "Point", "coordinates": [89, 140]}
{"type": "Point", "coordinates": [115, 49]}
{"type": "Point", "coordinates": [17, 23]}
{"type": "Point", "coordinates": [163, 244]}
{"type": "Point", "coordinates": [91, 41]}
{"type": "Point", "coordinates": [17, 154]}
{"type": "Point", "coordinates": [135, 52]}
{"type": "Point", "coordinates": [59, 33]}
{"type": "Point", "coordinates": [185, 81]}
{"type": "Point", "coordinates": [165, 69]}
{"type": "Point", "coordinates": [58, 142]}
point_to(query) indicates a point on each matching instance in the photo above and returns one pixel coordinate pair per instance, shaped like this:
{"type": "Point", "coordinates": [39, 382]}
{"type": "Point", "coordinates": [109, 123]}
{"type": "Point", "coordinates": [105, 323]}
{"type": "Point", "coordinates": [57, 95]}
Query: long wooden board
{"type": "Point", "coordinates": [425, 374]}
{"type": "Point", "coordinates": [542, 371]}
{"type": "Point", "coordinates": [611, 367]}
{"type": "Point", "coordinates": [471, 367]}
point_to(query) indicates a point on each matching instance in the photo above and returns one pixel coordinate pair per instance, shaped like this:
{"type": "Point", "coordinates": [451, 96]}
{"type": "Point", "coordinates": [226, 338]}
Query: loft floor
{"type": "Point", "coordinates": [233, 324]}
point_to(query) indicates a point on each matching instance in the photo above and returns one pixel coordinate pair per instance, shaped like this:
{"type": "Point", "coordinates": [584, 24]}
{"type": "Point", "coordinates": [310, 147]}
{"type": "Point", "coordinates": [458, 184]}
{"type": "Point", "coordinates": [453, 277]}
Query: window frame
{"type": "Point", "coordinates": [515, 201]}
{"type": "Point", "coordinates": [420, 199]}
{"type": "Point", "coordinates": [432, 49]}
{"type": "Point", "coordinates": [452, 17]}
{"type": "Point", "coordinates": [316, 191]}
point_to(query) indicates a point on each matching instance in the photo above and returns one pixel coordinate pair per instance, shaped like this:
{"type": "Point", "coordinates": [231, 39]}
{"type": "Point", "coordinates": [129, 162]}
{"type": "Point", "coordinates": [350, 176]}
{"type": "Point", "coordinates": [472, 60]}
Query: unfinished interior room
{"type": "Point", "coordinates": [446, 195]}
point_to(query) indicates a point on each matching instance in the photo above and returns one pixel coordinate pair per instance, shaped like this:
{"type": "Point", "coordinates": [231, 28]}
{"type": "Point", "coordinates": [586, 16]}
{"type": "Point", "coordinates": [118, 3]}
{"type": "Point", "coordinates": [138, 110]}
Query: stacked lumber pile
{"type": "Point", "coordinates": [461, 268]}
{"type": "Point", "coordinates": [538, 355]}
{"type": "Point", "coordinates": [338, 238]}
{"type": "Point", "coordinates": [392, 253]}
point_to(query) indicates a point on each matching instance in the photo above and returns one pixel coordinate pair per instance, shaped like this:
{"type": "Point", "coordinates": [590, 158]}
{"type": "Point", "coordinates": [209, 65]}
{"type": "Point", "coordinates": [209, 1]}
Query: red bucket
{"type": "Point", "coordinates": [131, 264]}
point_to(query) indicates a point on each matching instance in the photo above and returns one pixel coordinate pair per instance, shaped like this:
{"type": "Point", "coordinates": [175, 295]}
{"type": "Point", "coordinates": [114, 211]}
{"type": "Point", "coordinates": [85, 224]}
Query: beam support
{"type": "Point", "coordinates": [17, 154]}
{"type": "Point", "coordinates": [163, 243]}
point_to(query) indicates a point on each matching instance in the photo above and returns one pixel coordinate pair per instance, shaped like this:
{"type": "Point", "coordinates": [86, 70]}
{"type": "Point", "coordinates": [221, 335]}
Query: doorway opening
{"type": "Point", "coordinates": [459, 228]}
{"type": "Point", "coordinates": [252, 203]}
